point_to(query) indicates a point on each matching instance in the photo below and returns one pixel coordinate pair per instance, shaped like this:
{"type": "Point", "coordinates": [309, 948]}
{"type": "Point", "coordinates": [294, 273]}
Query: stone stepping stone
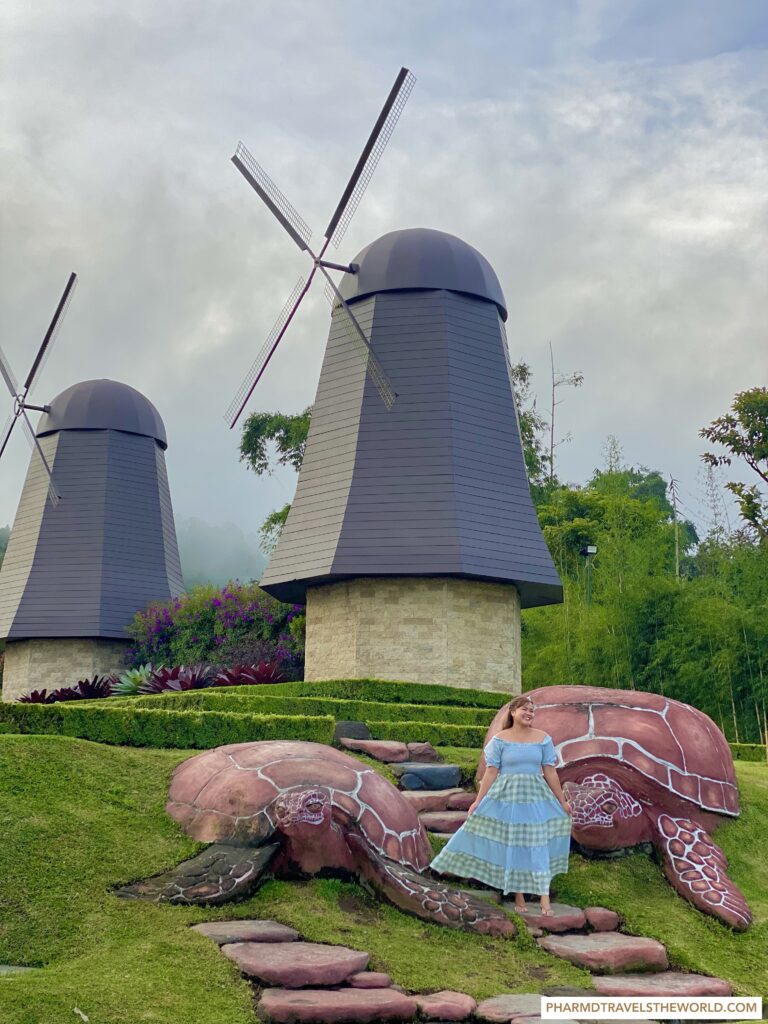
{"type": "Point", "coordinates": [427, 776]}
{"type": "Point", "coordinates": [500, 1009]}
{"type": "Point", "coordinates": [351, 731]}
{"type": "Point", "coordinates": [445, 1006]}
{"type": "Point", "coordinates": [388, 751]}
{"type": "Point", "coordinates": [601, 919]}
{"type": "Point", "coordinates": [424, 753]}
{"type": "Point", "coordinates": [564, 918]}
{"type": "Point", "coordinates": [443, 835]}
{"type": "Point", "coordinates": [370, 979]}
{"type": "Point", "coordinates": [296, 964]}
{"type": "Point", "coordinates": [608, 952]}
{"type": "Point", "coordinates": [224, 932]}
{"type": "Point", "coordinates": [461, 801]}
{"type": "Point", "coordinates": [443, 821]}
{"type": "Point", "coordinates": [324, 1006]}
{"type": "Point", "coordinates": [432, 799]}
{"type": "Point", "coordinates": [666, 983]}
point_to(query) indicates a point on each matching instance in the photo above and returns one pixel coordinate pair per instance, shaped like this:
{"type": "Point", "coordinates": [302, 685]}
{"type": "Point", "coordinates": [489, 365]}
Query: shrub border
{"type": "Point", "coordinates": [144, 727]}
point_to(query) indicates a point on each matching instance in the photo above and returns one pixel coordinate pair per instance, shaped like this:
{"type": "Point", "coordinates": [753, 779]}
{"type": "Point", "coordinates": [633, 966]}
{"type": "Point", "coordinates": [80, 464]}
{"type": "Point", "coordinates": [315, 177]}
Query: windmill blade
{"type": "Point", "coordinates": [271, 196]}
{"type": "Point", "coordinates": [357, 337]}
{"type": "Point", "coordinates": [10, 423]}
{"type": "Point", "coordinates": [50, 334]}
{"type": "Point", "coordinates": [274, 338]}
{"type": "Point", "coordinates": [8, 375]}
{"type": "Point", "coordinates": [369, 158]}
{"type": "Point", "coordinates": [53, 494]}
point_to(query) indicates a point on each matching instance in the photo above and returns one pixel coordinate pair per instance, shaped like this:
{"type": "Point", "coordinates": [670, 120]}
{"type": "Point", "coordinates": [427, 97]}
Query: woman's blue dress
{"type": "Point", "coordinates": [518, 837]}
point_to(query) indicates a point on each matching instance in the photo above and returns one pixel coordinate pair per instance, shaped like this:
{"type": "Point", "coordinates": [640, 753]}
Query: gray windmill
{"type": "Point", "coordinates": [93, 540]}
{"type": "Point", "coordinates": [412, 537]}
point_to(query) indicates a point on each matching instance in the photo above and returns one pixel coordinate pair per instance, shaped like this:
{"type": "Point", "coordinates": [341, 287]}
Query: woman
{"type": "Point", "coordinates": [518, 831]}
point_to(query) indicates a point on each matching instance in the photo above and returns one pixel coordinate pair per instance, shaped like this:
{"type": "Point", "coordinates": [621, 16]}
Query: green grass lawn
{"type": "Point", "coordinates": [79, 818]}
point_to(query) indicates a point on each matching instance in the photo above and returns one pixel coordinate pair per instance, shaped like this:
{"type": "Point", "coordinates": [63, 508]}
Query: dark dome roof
{"type": "Point", "coordinates": [422, 258]}
{"type": "Point", "coordinates": [103, 405]}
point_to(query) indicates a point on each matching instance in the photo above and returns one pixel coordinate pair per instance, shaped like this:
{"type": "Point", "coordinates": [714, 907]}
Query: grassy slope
{"type": "Point", "coordinates": [86, 817]}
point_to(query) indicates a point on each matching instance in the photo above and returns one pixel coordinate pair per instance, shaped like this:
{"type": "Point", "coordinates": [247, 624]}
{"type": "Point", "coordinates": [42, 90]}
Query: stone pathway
{"type": "Point", "coordinates": [320, 984]}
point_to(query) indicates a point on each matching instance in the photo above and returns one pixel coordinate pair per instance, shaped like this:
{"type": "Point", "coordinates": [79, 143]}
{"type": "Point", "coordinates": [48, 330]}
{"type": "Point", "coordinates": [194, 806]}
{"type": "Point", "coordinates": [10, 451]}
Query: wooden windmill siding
{"type": "Point", "coordinates": [76, 573]}
{"type": "Point", "coordinates": [433, 489]}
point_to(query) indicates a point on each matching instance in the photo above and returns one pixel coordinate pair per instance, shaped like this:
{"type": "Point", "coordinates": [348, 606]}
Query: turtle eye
{"type": "Point", "coordinates": [610, 806]}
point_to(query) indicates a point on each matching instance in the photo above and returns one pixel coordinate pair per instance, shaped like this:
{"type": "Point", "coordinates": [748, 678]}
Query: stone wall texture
{"type": "Point", "coordinates": [457, 632]}
{"type": "Point", "coordinates": [49, 664]}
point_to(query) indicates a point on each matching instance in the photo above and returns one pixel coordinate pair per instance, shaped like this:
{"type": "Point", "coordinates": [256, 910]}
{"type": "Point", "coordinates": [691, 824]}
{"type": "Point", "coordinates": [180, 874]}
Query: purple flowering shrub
{"type": "Point", "coordinates": [234, 624]}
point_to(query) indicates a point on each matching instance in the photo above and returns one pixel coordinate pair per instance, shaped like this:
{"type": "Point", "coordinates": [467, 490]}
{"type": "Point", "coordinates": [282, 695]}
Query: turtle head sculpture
{"type": "Point", "coordinates": [288, 809]}
{"type": "Point", "coordinates": [639, 767]}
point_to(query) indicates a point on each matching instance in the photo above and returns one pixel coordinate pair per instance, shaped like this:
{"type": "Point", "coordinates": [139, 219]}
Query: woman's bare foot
{"type": "Point", "coordinates": [520, 904]}
{"type": "Point", "coordinates": [546, 907]}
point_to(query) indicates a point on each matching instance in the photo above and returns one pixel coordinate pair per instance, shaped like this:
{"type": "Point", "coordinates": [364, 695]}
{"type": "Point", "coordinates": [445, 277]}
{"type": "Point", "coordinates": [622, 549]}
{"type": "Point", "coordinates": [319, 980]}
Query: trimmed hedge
{"type": "Point", "coordinates": [430, 732]}
{"type": "Point", "coordinates": [388, 692]}
{"type": "Point", "coordinates": [748, 751]}
{"type": "Point", "coordinates": [231, 699]}
{"type": "Point", "coordinates": [143, 727]}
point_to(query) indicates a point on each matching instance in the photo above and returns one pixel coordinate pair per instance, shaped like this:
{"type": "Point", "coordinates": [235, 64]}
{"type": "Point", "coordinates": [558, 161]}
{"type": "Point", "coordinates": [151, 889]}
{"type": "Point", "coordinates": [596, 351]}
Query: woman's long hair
{"type": "Point", "coordinates": [506, 723]}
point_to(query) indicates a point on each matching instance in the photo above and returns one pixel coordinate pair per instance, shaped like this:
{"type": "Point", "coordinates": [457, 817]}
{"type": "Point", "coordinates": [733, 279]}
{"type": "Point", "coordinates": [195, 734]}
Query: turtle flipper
{"type": "Point", "coordinates": [219, 874]}
{"type": "Point", "coordinates": [696, 867]}
{"type": "Point", "coordinates": [430, 900]}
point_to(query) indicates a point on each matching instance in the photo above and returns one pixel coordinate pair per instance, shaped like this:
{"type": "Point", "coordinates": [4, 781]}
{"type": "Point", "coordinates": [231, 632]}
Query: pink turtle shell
{"type": "Point", "coordinates": [670, 743]}
{"type": "Point", "coordinates": [226, 794]}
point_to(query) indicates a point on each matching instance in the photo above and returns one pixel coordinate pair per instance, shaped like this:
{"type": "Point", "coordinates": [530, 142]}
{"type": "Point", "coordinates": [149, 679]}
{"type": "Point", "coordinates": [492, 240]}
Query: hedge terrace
{"type": "Point", "coordinates": [259, 702]}
{"type": "Point", "coordinates": [105, 722]}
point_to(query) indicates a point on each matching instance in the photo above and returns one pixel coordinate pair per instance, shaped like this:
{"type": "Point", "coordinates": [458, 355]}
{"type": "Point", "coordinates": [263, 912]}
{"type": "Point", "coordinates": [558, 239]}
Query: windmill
{"type": "Point", "coordinates": [298, 230]}
{"type": "Point", "coordinates": [21, 394]}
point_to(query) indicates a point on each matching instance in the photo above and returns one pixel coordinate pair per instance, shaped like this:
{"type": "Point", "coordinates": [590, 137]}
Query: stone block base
{"type": "Point", "coordinates": [49, 664]}
{"type": "Point", "coordinates": [462, 633]}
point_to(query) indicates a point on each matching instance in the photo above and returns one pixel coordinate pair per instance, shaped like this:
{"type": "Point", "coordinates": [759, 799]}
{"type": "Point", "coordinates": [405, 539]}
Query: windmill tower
{"type": "Point", "coordinates": [412, 538]}
{"type": "Point", "coordinates": [77, 570]}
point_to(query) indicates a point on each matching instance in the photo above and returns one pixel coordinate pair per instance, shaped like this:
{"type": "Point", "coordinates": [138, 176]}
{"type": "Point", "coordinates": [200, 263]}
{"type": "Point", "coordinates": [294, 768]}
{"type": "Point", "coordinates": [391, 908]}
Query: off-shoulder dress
{"type": "Point", "coordinates": [519, 835]}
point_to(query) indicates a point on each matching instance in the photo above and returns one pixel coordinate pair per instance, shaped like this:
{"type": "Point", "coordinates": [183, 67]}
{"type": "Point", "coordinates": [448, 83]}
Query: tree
{"type": "Point", "coordinates": [532, 428]}
{"type": "Point", "coordinates": [5, 533]}
{"type": "Point", "coordinates": [288, 434]}
{"type": "Point", "coordinates": [744, 433]}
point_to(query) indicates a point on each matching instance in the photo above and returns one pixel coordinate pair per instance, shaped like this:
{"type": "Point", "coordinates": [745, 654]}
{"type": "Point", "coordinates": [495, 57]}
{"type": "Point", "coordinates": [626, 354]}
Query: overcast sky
{"type": "Point", "coordinates": [607, 156]}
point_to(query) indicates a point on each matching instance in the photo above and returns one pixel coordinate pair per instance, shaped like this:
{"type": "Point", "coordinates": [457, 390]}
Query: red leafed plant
{"type": "Point", "coordinates": [180, 677]}
{"type": "Point", "coordinates": [251, 675]}
{"type": "Point", "coordinates": [85, 689]}
{"type": "Point", "coordinates": [36, 697]}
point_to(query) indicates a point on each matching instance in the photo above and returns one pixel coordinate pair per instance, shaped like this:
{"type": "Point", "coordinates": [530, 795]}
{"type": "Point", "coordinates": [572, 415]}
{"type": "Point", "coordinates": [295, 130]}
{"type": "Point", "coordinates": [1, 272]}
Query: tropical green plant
{"type": "Point", "coordinates": [129, 682]}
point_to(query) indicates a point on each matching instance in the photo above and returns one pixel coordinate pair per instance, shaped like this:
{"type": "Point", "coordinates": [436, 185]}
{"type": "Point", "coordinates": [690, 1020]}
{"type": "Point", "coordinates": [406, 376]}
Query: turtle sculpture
{"type": "Point", "coordinates": [638, 767]}
{"type": "Point", "coordinates": [290, 809]}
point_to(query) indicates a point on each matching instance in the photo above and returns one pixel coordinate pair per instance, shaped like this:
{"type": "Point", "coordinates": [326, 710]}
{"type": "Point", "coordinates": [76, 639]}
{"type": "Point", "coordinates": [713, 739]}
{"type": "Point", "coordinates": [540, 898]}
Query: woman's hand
{"type": "Point", "coordinates": [473, 806]}
{"type": "Point", "coordinates": [566, 807]}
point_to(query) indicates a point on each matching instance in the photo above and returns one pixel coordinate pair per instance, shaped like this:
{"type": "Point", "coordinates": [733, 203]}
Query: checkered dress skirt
{"type": "Point", "coordinates": [519, 836]}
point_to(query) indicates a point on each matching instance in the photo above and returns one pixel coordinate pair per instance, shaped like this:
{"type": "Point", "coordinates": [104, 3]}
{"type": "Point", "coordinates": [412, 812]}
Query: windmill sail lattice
{"type": "Point", "coordinates": [298, 230]}
{"type": "Point", "coordinates": [21, 394]}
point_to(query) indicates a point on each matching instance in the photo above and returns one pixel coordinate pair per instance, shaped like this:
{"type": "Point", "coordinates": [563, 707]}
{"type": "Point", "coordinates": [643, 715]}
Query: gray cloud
{"type": "Point", "coordinates": [608, 159]}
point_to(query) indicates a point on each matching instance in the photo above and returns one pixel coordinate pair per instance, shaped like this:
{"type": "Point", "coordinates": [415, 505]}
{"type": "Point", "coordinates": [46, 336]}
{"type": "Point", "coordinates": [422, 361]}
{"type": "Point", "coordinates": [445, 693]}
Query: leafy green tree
{"type": "Point", "coordinates": [743, 432]}
{"type": "Point", "coordinates": [269, 439]}
{"type": "Point", "coordinates": [533, 428]}
{"type": "Point", "coordinates": [287, 433]}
